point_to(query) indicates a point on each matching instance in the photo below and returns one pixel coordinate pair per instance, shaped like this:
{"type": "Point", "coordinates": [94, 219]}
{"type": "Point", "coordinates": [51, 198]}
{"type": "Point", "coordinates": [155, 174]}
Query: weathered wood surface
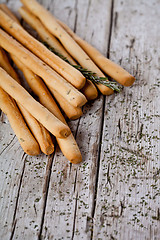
{"type": "Point", "coordinates": [115, 192]}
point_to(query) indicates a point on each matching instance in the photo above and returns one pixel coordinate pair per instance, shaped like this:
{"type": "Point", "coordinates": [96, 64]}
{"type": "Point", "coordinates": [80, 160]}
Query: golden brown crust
{"type": "Point", "coordinates": [5, 9]}
{"type": "Point", "coordinates": [89, 90]}
{"type": "Point", "coordinates": [70, 111]}
{"type": "Point", "coordinates": [26, 139]}
{"type": "Point", "coordinates": [51, 78]}
{"type": "Point", "coordinates": [67, 41]}
{"type": "Point", "coordinates": [106, 65]}
{"type": "Point", "coordinates": [40, 133]}
{"type": "Point", "coordinates": [71, 74]}
{"type": "Point", "coordinates": [46, 118]}
{"type": "Point", "coordinates": [68, 145]}
{"type": "Point", "coordinates": [44, 34]}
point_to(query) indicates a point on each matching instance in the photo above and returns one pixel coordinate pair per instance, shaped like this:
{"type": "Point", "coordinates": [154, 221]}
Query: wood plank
{"type": "Point", "coordinates": [11, 168]}
{"type": "Point", "coordinates": [128, 194]}
{"type": "Point", "coordinates": [31, 193]}
{"type": "Point", "coordinates": [24, 182]}
{"type": "Point", "coordinates": [70, 200]}
{"type": "Point", "coordinates": [32, 197]}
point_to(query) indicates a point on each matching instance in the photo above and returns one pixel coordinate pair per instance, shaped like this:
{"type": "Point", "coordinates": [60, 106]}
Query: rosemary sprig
{"type": "Point", "coordinates": [95, 79]}
{"type": "Point", "coordinates": [86, 73]}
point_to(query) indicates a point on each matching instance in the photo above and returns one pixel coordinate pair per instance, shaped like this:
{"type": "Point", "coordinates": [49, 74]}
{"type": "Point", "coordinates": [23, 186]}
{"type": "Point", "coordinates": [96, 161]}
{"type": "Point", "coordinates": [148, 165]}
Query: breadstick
{"type": "Point", "coordinates": [44, 34]}
{"type": "Point", "coordinates": [25, 138]}
{"type": "Point", "coordinates": [68, 145]}
{"type": "Point", "coordinates": [40, 133]}
{"type": "Point", "coordinates": [67, 41]}
{"type": "Point", "coordinates": [70, 111]}
{"type": "Point", "coordinates": [45, 117]}
{"type": "Point", "coordinates": [51, 78]}
{"type": "Point", "coordinates": [8, 106]}
{"type": "Point", "coordinates": [5, 9]}
{"type": "Point", "coordinates": [106, 65]}
{"type": "Point", "coordinates": [71, 74]}
{"type": "Point", "coordinates": [45, 98]}
{"type": "Point", "coordinates": [89, 90]}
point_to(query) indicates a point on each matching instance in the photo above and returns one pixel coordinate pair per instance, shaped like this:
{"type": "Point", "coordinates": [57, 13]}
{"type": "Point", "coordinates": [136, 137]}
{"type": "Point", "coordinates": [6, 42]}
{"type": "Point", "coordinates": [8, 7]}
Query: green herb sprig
{"type": "Point", "coordinates": [86, 73]}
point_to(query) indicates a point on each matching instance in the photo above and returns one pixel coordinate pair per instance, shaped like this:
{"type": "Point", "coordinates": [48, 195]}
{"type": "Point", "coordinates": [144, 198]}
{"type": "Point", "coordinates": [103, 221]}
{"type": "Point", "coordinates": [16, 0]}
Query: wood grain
{"type": "Point", "coordinates": [128, 192]}
{"type": "Point", "coordinates": [114, 193]}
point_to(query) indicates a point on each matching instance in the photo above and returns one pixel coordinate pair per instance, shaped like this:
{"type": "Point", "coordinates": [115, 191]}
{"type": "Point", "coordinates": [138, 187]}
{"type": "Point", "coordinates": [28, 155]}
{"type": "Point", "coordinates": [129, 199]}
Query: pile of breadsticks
{"type": "Point", "coordinates": [52, 79]}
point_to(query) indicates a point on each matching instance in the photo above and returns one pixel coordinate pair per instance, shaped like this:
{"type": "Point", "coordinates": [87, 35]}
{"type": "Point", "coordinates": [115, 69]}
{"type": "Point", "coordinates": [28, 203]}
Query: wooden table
{"type": "Point", "coordinates": [115, 192]}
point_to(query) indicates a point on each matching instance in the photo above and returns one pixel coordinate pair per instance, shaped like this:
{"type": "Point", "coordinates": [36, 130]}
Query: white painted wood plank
{"type": "Point", "coordinates": [71, 193]}
{"type": "Point", "coordinates": [32, 191]}
{"type": "Point", "coordinates": [22, 183]}
{"type": "Point", "coordinates": [11, 167]}
{"type": "Point", "coordinates": [21, 187]}
{"type": "Point", "coordinates": [128, 197]}
{"type": "Point", "coordinates": [31, 198]}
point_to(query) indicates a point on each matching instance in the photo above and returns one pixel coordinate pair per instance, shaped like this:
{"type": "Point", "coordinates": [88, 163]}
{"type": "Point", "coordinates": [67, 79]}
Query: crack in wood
{"type": "Point", "coordinates": [120, 131]}
{"type": "Point", "coordinates": [34, 206]}
{"type": "Point", "coordinates": [132, 41]}
{"type": "Point", "coordinates": [122, 206]}
{"type": "Point", "coordinates": [108, 176]}
{"type": "Point", "coordinates": [89, 4]}
{"type": "Point", "coordinates": [45, 190]}
{"type": "Point", "coordinates": [75, 181]}
{"type": "Point", "coordinates": [76, 16]}
{"type": "Point", "coordinates": [8, 145]}
{"type": "Point", "coordinates": [14, 221]}
{"type": "Point", "coordinates": [115, 20]}
{"type": "Point", "coordinates": [110, 29]}
{"type": "Point", "coordinates": [139, 133]}
{"type": "Point", "coordinates": [74, 219]}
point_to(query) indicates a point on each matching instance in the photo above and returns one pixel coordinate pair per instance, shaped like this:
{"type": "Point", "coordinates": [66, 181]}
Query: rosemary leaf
{"type": "Point", "coordinates": [86, 73]}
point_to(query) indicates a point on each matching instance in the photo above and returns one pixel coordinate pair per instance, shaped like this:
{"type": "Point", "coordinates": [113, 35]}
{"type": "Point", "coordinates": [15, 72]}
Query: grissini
{"type": "Point", "coordinates": [45, 117]}
{"type": "Point", "coordinates": [71, 74]}
{"type": "Point", "coordinates": [40, 133]}
{"type": "Point", "coordinates": [67, 41]}
{"type": "Point", "coordinates": [70, 111]}
{"type": "Point", "coordinates": [44, 34]}
{"type": "Point", "coordinates": [68, 145]}
{"type": "Point", "coordinates": [45, 98]}
{"type": "Point", "coordinates": [9, 107]}
{"type": "Point", "coordinates": [51, 78]}
{"type": "Point", "coordinates": [29, 145]}
{"type": "Point", "coordinates": [5, 9]}
{"type": "Point", "coordinates": [106, 65]}
{"type": "Point", "coordinates": [26, 139]}
{"type": "Point", "coordinates": [89, 90]}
